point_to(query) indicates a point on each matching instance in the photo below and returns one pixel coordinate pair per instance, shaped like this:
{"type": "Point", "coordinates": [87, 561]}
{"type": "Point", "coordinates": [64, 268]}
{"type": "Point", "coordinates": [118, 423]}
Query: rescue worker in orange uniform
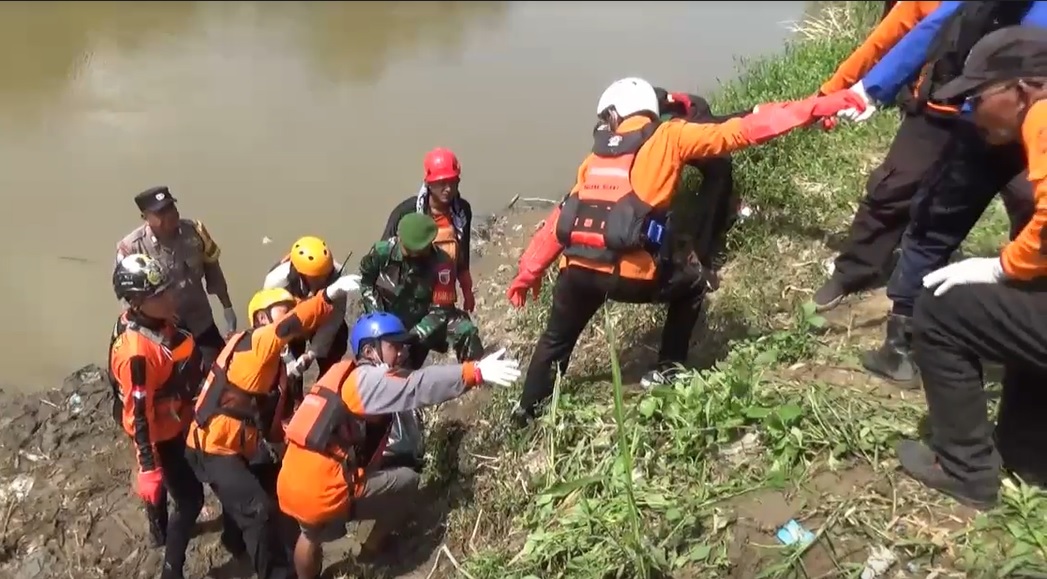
{"type": "Point", "coordinates": [155, 369]}
{"type": "Point", "coordinates": [610, 227]}
{"type": "Point", "coordinates": [228, 433]}
{"type": "Point", "coordinates": [440, 199]}
{"type": "Point", "coordinates": [307, 269]}
{"type": "Point", "coordinates": [990, 308]}
{"type": "Point", "coordinates": [333, 470]}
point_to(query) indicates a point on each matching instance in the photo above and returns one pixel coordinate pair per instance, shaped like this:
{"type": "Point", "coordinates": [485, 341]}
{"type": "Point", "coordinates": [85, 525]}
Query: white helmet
{"type": "Point", "coordinates": [629, 96]}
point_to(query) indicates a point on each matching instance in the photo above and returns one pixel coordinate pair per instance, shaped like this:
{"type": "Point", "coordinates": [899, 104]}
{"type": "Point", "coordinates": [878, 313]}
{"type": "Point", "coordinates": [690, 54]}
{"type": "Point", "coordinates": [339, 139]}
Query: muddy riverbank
{"type": "Point", "coordinates": [66, 505]}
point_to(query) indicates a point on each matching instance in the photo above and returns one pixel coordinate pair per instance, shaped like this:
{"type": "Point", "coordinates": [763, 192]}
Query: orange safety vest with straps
{"type": "Point", "coordinates": [323, 424]}
{"type": "Point", "coordinates": [606, 217]}
{"type": "Point", "coordinates": [220, 396]}
{"type": "Point", "coordinates": [186, 369]}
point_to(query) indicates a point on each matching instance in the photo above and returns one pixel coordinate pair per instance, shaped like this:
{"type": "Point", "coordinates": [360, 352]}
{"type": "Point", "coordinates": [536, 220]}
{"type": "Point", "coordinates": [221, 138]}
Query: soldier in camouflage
{"type": "Point", "coordinates": [411, 278]}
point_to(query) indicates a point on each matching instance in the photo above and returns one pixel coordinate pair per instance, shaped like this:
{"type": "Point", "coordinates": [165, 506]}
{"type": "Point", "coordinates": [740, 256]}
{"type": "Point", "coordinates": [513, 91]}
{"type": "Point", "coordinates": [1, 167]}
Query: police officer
{"type": "Point", "coordinates": [412, 279]}
{"type": "Point", "coordinates": [187, 251]}
{"type": "Point", "coordinates": [992, 308]}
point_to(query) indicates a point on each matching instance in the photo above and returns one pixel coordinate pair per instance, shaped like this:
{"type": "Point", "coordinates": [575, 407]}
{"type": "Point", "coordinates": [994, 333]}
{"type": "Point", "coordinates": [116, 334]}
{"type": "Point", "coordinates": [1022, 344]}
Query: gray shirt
{"type": "Point", "coordinates": [191, 259]}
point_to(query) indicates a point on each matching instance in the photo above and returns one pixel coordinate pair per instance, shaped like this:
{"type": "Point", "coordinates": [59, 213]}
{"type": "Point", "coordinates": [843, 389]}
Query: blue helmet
{"type": "Point", "coordinates": [378, 325]}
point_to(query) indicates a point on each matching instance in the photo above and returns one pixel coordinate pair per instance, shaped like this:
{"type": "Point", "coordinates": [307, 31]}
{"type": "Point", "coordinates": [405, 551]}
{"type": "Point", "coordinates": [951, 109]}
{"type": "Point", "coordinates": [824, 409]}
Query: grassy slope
{"type": "Point", "coordinates": [781, 426]}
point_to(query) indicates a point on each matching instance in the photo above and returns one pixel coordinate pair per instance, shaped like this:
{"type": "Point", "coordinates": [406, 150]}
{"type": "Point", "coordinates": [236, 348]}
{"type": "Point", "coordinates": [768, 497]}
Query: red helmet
{"type": "Point", "coordinates": [441, 164]}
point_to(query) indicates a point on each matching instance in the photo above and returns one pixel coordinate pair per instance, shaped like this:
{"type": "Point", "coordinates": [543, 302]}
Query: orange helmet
{"type": "Point", "coordinates": [311, 258]}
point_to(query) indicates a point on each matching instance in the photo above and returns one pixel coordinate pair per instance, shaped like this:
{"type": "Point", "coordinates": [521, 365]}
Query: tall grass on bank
{"type": "Point", "coordinates": [693, 479]}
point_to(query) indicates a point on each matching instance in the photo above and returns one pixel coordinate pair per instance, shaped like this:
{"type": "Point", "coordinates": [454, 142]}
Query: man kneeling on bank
{"type": "Point", "coordinates": [332, 472]}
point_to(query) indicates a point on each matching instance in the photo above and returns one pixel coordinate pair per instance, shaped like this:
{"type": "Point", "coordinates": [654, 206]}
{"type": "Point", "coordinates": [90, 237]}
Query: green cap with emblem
{"type": "Point", "coordinates": [416, 231]}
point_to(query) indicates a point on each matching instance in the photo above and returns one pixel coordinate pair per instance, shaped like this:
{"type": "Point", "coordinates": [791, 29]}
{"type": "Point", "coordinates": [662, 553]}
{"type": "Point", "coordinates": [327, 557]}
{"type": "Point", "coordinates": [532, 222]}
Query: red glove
{"type": "Point", "coordinates": [682, 98]}
{"type": "Point", "coordinates": [539, 255]}
{"type": "Point", "coordinates": [829, 105]}
{"type": "Point", "coordinates": [776, 119]}
{"type": "Point", "coordinates": [517, 293]}
{"type": "Point", "coordinates": [465, 279]}
{"type": "Point", "coordinates": [150, 483]}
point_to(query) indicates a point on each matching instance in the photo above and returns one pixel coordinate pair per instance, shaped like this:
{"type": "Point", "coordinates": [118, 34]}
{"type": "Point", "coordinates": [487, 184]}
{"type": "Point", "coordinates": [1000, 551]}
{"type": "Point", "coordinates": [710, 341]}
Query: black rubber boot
{"type": "Point", "coordinates": [893, 359]}
{"type": "Point", "coordinates": [521, 417]}
{"type": "Point", "coordinates": [921, 463]}
{"type": "Point", "coordinates": [829, 295]}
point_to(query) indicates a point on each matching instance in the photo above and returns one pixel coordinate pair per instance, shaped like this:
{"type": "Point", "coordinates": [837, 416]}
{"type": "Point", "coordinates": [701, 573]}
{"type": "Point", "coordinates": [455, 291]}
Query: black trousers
{"type": "Point", "coordinates": [187, 494]}
{"type": "Point", "coordinates": [950, 201]}
{"type": "Point", "coordinates": [577, 297]}
{"type": "Point", "coordinates": [715, 211]}
{"type": "Point", "coordinates": [246, 500]}
{"type": "Point", "coordinates": [952, 333]}
{"type": "Point", "coordinates": [883, 214]}
{"type": "Point", "coordinates": [919, 148]}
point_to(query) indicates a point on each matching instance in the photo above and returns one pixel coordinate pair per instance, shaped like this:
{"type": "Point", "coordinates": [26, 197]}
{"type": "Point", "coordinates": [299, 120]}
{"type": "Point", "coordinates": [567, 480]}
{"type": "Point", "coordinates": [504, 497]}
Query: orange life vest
{"type": "Point", "coordinates": [606, 217]}
{"type": "Point", "coordinates": [219, 396]}
{"type": "Point", "coordinates": [181, 384]}
{"type": "Point", "coordinates": [322, 423]}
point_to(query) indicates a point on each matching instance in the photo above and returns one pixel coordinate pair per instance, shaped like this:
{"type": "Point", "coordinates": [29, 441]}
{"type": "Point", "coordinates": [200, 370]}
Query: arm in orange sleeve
{"type": "Point", "coordinates": [899, 21]}
{"type": "Point", "coordinates": [1024, 257]}
{"type": "Point", "coordinates": [371, 390]}
{"type": "Point", "coordinates": [298, 323]}
{"type": "Point", "coordinates": [699, 140]}
{"type": "Point", "coordinates": [542, 250]}
{"type": "Point", "coordinates": [136, 379]}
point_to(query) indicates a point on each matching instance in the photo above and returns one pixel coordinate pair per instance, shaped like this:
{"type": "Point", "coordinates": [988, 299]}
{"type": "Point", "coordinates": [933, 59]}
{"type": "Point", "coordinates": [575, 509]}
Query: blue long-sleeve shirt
{"type": "Point", "coordinates": [902, 64]}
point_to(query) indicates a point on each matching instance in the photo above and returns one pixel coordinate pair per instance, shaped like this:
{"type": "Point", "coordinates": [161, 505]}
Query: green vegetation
{"type": "Point", "coordinates": [694, 480]}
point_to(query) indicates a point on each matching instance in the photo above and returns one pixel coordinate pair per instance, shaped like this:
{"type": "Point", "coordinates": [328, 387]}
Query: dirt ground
{"type": "Point", "coordinates": [66, 505]}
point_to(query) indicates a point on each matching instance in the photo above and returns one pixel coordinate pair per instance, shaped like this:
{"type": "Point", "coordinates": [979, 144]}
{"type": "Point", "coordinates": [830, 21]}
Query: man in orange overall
{"type": "Point", "coordinates": [155, 369]}
{"type": "Point", "coordinates": [610, 228]}
{"type": "Point", "coordinates": [227, 433]}
{"type": "Point", "coordinates": [333, 471]}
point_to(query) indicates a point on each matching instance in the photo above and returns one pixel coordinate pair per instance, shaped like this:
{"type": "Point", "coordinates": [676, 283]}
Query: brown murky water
{"type": "Point", "coordinates": [281, 119]}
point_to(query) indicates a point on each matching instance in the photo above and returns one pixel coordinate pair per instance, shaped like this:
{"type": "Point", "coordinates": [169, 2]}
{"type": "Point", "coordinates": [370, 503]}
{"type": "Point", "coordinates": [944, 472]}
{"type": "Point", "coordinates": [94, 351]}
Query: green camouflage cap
{"type": "Point", "coordinates": [416, 231]}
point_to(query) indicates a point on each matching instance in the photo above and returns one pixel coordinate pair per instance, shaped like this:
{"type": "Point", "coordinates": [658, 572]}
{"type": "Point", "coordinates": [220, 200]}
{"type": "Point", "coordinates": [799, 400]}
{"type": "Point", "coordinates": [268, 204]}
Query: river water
{"type": "Point", "coordinates": [281, 119]}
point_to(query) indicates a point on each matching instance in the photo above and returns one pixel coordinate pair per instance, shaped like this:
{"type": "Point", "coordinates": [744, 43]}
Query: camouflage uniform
{"type": "Point", "coordinates": [421, 292]}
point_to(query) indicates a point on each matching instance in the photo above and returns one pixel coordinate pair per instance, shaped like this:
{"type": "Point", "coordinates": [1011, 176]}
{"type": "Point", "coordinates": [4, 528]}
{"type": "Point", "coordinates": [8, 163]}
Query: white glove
{"type": "Point", "coordinates": [971, 270]}
{"type": "Point", "coordinates": [342, 286]}
{"type": "Point", "coordinates": [299, 366]}
{"type": "Point", "coordinates": [494, 370]}
{"type": "Point", "coordinates": [230, 319]}
{"type": "Point", "coordinates": [852, 114]}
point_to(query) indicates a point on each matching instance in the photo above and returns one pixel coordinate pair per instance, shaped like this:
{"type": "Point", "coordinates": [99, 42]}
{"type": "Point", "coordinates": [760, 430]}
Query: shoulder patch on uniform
{"type": "Point", "coordinates": [208, 246]}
